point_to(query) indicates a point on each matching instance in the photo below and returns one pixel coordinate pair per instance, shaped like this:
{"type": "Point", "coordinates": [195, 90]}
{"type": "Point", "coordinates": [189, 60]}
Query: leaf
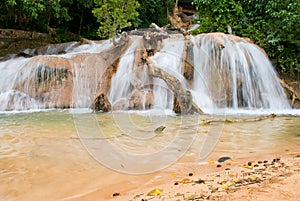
{"type": "Point", "coordinates": [192, 197]}
{"type": "Point", "coordinates": [210, 162]}
{"type": "Point", "coordinates": [155, 192]}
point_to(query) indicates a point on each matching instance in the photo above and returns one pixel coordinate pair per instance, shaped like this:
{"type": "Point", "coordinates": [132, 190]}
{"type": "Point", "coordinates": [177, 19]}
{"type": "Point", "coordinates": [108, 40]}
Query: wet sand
{"type": "Point", "coordinates": [261, 177]}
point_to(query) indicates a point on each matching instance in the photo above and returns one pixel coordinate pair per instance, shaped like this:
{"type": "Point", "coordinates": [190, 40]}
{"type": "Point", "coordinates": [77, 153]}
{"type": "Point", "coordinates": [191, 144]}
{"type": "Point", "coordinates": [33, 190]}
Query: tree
{"type": "Point", "coordinates": [115, 15]}
{"type": "Point", "coordinates": [277, 24]}
{"type": "Point", "coordinates": [82, 9]}
{"type": "Point", "coordinates": [34, 15]}
{"type": "Point", "coordinates": [217, 15]}
{"type": "Point", "coordinates": [154, 11]}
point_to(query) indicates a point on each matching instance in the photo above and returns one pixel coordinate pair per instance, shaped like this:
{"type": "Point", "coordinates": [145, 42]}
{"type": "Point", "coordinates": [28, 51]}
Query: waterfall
{"type": "Point", "coordinates": [169, 59]}
{"type": "Point", "coordinates": [14, 74]}
{"type": "Point", "coordinates": [230, 73]}
{"type": "Point", "coordinates": [125, 76]}
{"type": "Point", "coordinates": [235, 74]}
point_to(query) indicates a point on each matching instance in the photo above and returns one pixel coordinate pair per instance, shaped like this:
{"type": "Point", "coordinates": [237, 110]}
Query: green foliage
{"type": "Point", "coordinates": [115, 15]}
{"type": "Point", "coordinates": [274, 25]}
{"type": "Point", "coordinates": [155, 11]}
{"type": "Point", "coordinates": [216, 15]}
{"type": "Point", "coordinates": [33, 15]}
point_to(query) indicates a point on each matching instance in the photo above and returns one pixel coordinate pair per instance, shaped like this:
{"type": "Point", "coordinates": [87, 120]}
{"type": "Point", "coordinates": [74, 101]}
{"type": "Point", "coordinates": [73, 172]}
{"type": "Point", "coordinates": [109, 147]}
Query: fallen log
{"type": "Point", "coordinates": [295, 94]}
{"type": "Point", "coordinates": [228, 120]}
{"type": "Point", "coordinates": [181, 96]}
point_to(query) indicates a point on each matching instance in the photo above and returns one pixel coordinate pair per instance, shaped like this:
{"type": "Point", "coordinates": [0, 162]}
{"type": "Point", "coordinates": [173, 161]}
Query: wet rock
{"type": "Point", "coordinates": [135, 99]}
{"type": "Point", "coordinates": [149, 98]}
{"type": "Point", "coordinates": [101, 103]}
{"type": "Point", "coordinates": [223, 159]}
{"type": "Point", "coordinates": [159, 129]}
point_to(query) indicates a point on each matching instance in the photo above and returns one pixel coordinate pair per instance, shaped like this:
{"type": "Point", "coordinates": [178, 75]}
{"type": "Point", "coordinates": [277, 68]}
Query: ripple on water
{"type": "Point", "coordinates": [9, 145]}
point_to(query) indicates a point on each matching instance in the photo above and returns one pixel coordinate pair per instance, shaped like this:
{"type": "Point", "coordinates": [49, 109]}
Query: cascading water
{"type": "Point", "coordinates": [15, 73]}
{"type": "Point", "coordinates": [232, 73]}
{"type": "Point", "coordinates": [169, 59]}
{"type": "Point", "coordinates": [229, 73]}
{"type": "Point", "coordinates": [125, 76]}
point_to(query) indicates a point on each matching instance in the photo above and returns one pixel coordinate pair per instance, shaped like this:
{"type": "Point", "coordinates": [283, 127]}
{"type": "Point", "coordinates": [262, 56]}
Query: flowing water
{"type": "Point", "coordinates": [67, 154]}
{"type": "Point", "coordinates": [229, 73]}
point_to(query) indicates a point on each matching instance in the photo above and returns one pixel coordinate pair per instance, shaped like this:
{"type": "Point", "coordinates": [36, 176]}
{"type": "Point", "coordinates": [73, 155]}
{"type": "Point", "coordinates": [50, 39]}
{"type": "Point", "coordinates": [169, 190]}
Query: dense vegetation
{"type": "Point", "coordinates": [272, 24]}
{"type": "Point", "coordinates": [92, 19]}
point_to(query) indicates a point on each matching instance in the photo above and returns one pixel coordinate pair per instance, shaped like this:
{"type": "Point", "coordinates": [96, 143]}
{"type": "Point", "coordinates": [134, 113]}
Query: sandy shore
{"type": "Point", "coordinates": [266, 177]}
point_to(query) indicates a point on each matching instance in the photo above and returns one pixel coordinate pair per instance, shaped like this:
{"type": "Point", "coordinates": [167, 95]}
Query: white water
{"type": "Point", "coordinates": [236, 78]}
{"type": "Point", "coordinates": [121, 81]}
{"type": "Point", "coordinates": [169, 59]}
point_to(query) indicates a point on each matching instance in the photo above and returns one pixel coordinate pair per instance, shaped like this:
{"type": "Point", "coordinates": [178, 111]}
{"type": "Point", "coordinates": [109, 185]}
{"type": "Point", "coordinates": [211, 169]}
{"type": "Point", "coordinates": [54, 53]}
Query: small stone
{"type": "Point", "coordinates": [176, 183]}
{"type": "Point", "coordinates": [259, 162]}
{"type": "Point", "coordinates": [249, 164]}
{"type": "Point", "coordinates": [227, 169]}
{"type": "Point", "coordinates": [191, 174]}
{"type": "Point", "coordinates": [200, 181]}
{"type": "Point", "coordinates": [116, 194]}
{"type": "Point", "coordinates": [256, 165]}
{"type": "Point", "coordinates": [219, 165]}
{"type": "Point", "coordinates": [222, 159]}
{"type": "Point", "coordinates": [265, 161]}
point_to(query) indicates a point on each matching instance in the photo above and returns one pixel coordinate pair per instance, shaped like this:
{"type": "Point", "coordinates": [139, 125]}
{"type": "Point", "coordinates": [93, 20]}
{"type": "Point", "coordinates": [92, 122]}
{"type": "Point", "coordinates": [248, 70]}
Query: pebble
{"type": "Point", "coordinates": [219, 165]}
{"type": "Point", "coordinates": [176, 183]}
{"type": "Point", "coordinates": [200, 181]}
{"type": "Point", "coordinates": [222, 159]}
{"type": "Point", "coordinates": [191, 174]}
{"type": "Point", "coordinates": [265, 161]}
{"type": "Point", "coordinates": [116, 194]}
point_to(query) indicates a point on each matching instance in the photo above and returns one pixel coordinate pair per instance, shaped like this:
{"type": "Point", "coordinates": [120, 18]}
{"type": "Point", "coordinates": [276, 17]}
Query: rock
{"type": "Point", "coordinates": [120, 105]}
{"type": "Point", "coordinates": [223, 159]}
{"type": "Point", "coordinates": [149, 98]}
{"type": "Point", "coordinates": [159, 129]}
{"type": "Point", "coordinates": [135, 99]}
{"type": "Point", "coordinates": [101, 103]}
